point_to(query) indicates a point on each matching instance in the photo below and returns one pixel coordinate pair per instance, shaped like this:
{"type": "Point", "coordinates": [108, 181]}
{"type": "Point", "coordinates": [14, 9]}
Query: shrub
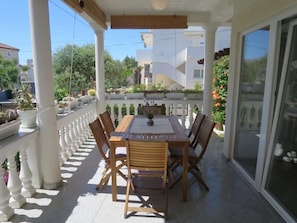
{"type": "Point", "coordinates": [220, 87]}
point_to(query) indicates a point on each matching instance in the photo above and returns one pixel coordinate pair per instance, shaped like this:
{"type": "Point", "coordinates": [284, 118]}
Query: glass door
{"type": "Point", "coordinates": [281, 180]}
{"type": "Point", "coordinates": [250, 102]}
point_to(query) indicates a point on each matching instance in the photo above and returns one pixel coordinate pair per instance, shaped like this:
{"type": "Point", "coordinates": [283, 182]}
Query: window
{"type": "Point", "coordinates": [146, 70]}
{"type": "Point", "coordinates": [198, 73]}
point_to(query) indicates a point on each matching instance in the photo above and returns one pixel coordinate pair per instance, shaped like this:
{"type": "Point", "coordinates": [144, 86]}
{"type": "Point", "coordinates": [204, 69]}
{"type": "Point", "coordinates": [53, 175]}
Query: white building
{"type": "Point", "coordinates": [173, 54]}
{"type": "Point", "coordinates": [28, 76]}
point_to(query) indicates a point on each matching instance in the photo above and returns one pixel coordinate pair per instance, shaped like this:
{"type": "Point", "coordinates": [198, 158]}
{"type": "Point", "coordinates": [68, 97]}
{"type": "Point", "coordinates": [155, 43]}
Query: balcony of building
{"type": "Point", "coordinates": [230, 199]}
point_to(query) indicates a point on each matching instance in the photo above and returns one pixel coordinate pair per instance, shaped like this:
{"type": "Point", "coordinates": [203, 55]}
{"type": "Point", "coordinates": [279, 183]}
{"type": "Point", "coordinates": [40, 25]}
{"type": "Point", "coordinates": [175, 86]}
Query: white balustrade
{"type": "Point", "coordinates": [73, 129]}
{"type": "Point", "coordinates": [19, 184]}
{"type": "Point", "coordinates": [182, 108]}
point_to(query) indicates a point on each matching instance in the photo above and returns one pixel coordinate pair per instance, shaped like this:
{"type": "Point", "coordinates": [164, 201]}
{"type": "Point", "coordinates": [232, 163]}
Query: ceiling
{"type": "Point", "coordinates": [197, 12]}
{"type": "Point", "coordinates": [192, 8]}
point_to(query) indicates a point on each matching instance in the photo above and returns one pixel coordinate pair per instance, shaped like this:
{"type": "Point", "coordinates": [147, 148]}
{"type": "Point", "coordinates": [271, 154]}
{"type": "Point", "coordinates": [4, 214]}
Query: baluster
{"type": "Point", "coordinates": [63, 155]}
{"type": "Point", "coordinates": [67, 141]}
{"type": "Point", "coordinates": [112, 113]}
{"type": "Point", "coordinates": [5, 210]}
{"type": "Point", "coordinates": [73, 146]}
{"type": "Point", "coordinates": [26, 176]}
{"type": "Point", "coordinates": [167, 110]}
{"type": "Point", "coordinates": [135, 108]}
{"type": "Point", "coordinates": [14, 184]}
{"type": "Point", "coordinates": [190, 112]}
{"type": "Point", "coordinates": [175, 109]}
{"type": "Point", "coordinates": [81, 130]}
{"type": "Point", "coordinates": [85, 129]}
{"type": "Point", "coordinates": [88, 120]}
{"type": "Point", "coordinates": [77, 132]}
{"type": "Point", "coordinates": [120, 112]}
{"type": "Point", "coordinates": [183, 116]}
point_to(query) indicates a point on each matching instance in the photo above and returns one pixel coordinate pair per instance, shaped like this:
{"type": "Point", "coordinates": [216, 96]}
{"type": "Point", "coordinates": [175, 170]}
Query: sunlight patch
{"type": "Point", "coordinates": [77, 158]}
{"type": "Point", "coordinates": [48, 192]}
{"type": "Point", "coordinates": [32, 213]}
{"type": "Point", "coordinates": [85, 150]}
{"type": "Point", "coordinates": [39, 201]}
{"type": "Point", "coordinates": [73, 163]}
{"type": "Point", "coordinates": [69, 169]}
{"type": "Point", "coordinates": [66, 175]}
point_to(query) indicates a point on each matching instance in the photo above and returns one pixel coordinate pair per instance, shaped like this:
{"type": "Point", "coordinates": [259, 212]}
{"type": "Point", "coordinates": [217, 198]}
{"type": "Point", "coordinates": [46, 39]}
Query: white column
{"type": "Point", "coordinates": [99, 58]}
{"type": "Point", "coordinates": [43, 75]}
{"type": "Point", "coordinates": [210, 31]}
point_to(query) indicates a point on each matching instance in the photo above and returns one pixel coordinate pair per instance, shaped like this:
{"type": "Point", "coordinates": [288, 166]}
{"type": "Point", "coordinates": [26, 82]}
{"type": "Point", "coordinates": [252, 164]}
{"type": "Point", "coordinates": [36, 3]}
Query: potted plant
{"type": "Point", "coordinates": [92, 93]}
{"type": "Point", "coordinates": [72, 102]}
{"type": "Point", "coordinates": [61, 107]}
{"type": "Point", "coordinates": [25, 107]}
{"type": "Point", "coordinates": [150, 121]}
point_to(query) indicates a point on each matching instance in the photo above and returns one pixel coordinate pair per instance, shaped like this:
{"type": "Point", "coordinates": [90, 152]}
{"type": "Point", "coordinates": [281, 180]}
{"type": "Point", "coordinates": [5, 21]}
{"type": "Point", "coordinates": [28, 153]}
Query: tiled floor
{"type": "Point", "coordinates": [230, 199]}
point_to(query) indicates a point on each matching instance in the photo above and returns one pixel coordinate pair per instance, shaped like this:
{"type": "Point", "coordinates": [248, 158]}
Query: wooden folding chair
{"type": "Point", "coordinates": [103, 148]}
{"type": "Point", "coordinates": [193, 133]}
{"type": "Point", "coordinates": [147, 169]}
{"type": "Point", "coordinates": [195, 128]}
{"type": "Point", "coordinates": [202, 140]}
{"type": "Point", "coordinates": [107, 123]}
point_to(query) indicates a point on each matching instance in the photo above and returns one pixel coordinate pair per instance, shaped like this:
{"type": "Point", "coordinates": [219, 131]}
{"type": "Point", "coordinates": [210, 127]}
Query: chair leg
{"type": "Point", "coordinates": [199, 177]}
{"type": "Point", "coordinates": [104, 179]}
{"type": "Point", "coordinates": [127, 198]}
{"type": "Point", "coordinates": [175, 181]}
{"type": "Point", "coordinates": [166, 204]}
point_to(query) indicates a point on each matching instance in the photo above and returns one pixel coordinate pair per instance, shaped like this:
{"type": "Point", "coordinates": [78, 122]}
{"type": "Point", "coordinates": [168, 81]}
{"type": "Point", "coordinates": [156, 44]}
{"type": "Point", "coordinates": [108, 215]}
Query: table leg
{"type": "Point", "coordinates": [185, 172]}
{"type": "Point", "coordinates": [113, 173]}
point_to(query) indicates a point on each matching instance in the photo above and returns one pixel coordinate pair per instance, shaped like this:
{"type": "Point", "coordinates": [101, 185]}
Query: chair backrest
{"type": "Point", "coordinates": [100, 137]}
{"type": "Point", "coordinates": [107, 123]}
{"type": "Point", "coordinates": [204, 135]}
{"type": "Point", "coordinates": [193, 133]}
{"type": "Point", "coordinates": [147, 156]}
{"type": "Point", "coordinates": [155, 109]}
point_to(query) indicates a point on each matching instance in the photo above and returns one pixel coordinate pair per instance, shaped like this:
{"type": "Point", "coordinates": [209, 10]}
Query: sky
{"type": "Point", "coordinates": [66, 27]}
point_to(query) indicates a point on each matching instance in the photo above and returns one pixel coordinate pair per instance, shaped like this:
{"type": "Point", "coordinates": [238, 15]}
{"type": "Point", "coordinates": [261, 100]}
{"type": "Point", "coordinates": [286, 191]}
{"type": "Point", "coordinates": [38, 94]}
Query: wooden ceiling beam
{"type": "Point", "coordinates": [149, 22]}
{"type": "Point", "coordinates": [90, 8]}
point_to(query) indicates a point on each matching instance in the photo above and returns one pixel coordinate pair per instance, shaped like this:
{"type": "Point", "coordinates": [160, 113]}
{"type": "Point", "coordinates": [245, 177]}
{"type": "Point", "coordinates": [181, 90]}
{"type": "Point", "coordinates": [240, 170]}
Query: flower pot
{"type": "Point", "coordinates": [60, 110]}
{"type": "Point", "coordinates": [150, 122]}
{"type": "Point", "coordinates": [194, 96]}
{"type": "Point", "coordinates": [175, 95]}
{"type": "Point", "coordinates": [9, 128]}
{"type": "Point", "coordinates": [138, 95]}
{"type": "Point", "coordinates": [28, 118]}
{"type": "Point", "coordinates": [154, 95]}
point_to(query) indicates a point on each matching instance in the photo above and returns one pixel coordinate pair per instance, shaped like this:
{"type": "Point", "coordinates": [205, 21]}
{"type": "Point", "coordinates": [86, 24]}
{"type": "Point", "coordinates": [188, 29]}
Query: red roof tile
{"type": "Point", "coordinates": [8, 47]}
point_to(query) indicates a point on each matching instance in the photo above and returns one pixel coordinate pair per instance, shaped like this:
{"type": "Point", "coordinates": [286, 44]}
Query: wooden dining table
{"type": "Point", "coordinates": [176, 136]}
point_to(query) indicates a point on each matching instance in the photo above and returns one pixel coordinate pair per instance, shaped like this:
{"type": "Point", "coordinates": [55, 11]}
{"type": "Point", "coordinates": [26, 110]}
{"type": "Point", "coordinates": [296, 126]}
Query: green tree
{"type": "Point", "coordinates": [74, 67]}
{"type": "Point", "coordinates": [116, 72]}
{"type": "Point", "coordinates": [254, 70]}
{"type": "Point", "coordinates": [8, 73]}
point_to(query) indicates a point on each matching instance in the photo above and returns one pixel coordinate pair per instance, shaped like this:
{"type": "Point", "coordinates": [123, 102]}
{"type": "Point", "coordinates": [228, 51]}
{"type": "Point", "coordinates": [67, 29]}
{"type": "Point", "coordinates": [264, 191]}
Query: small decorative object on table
{"type": "Point", "coordinates": [150, 121]}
